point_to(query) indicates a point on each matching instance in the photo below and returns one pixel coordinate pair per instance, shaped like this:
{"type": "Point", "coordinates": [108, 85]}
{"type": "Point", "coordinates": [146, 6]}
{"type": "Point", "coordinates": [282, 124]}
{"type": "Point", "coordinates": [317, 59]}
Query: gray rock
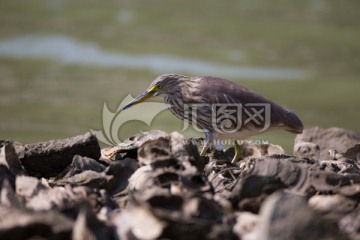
{"type": "Point", "coordinates": [286, 216]}
{"type": "Point", "coordinates": [121, 171]}
{"type": "Point", "coordinates": [6, 175]}
{"type": "Point", "coordinates": [9, 158]}
{"type": "Point", "coordinates": [157, 154]}
{"type": "Point", "coordinates": [333, 207]}
{"type": "Point", "coordinates": [307, 150]}
{"type": "Point", "coordinates": [132, 143]}
{"type": "Point", "coordinates": [350, 224]}
{"type": "Point", "coordinates": [292, 172]}
{"type": "Point", "coordinates": [250, 191]}
{"type": "Point", "coordinates": [87, 178]}
{"type": "Point", "coordinates": [17, 223]}
{"type": "Point", "coordinates": [156, 186]}
{"type": "Point", "coordinates": [88, 227]}
{"type": "Point", "coordinates": [351, 191]}
{"type": "Point", "coordinates": [28, 187]}
{"type": "Point", "coordinates": [339, 139]}
{"type": "Point", "coordinates": [48, 159]}
{"type": "Point", "coordinates": [346, 167]}
{"type": "Point", "coordinates": [246, 226]}
{"type": "Point", "coordinates": [58, 198]}
{"type": "Point", "coordinates": [353, 153]}
{"type": "Point", "coordinates": [7, 195]}
{"type": "Point", "coordinates": [334, 154]}
{"type": "Point", "coordinates": [250, 149]}
{"type": "Point", "coordinates": [80, 164]}
{"type": "Point", "coordinates": [81, 230]}
{"type": "Point", "coordinates": [138, 222]}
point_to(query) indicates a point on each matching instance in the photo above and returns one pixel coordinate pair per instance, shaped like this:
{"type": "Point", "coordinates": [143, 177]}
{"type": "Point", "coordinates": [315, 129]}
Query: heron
{"type": "Point", "coordinates": [220, 108]}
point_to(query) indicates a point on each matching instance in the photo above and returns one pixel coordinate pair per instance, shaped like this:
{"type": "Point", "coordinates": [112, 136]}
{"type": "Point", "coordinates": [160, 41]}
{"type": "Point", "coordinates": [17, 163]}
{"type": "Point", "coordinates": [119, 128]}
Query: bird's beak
{"type": "Point", "coordinates": [141, 98]}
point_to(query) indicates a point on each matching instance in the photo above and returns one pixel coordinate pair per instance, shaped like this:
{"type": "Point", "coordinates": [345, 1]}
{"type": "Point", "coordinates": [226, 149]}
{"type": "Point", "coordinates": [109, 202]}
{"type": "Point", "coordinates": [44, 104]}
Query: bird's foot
{"type": "Point", "coordinates": [237, 152]}
{"type": "Point", "coordinates": [207, 143]}
{"type": "Point", "coordinates": [203, 151]}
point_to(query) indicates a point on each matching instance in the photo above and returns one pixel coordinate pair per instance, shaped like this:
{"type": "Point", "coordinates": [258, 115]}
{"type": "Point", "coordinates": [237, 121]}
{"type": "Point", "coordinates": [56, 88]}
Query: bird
{"type": "Point", "coordinates": [220, 108]}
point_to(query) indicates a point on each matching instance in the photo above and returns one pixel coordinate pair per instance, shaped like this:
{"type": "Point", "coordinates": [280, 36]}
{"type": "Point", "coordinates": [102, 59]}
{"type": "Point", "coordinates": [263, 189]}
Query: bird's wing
{"type": "Point", "coordinates": [221, 91]}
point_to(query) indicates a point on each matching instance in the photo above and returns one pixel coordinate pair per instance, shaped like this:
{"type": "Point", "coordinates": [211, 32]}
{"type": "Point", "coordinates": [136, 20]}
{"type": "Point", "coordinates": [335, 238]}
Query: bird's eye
{"type": "Point", "coordinates": [158, 86]}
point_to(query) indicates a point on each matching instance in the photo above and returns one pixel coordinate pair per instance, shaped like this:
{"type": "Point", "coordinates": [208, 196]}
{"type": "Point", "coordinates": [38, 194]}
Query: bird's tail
{"type": "Point", "coordinates": [293, 123]}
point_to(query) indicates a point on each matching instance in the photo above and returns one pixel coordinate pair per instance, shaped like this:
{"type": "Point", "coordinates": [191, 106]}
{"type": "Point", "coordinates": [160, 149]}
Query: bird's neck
{"type": "Point", "coordinates": [184, 92]}
{"type": "Point", "coordinates": [189, 88]}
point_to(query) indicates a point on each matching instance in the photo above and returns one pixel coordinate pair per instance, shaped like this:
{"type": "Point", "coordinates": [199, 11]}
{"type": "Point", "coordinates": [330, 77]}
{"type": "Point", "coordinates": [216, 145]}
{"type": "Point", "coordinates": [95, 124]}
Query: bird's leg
{"type": "Point", "coordinates": [237, 152]}
{"type": "Point", "coordinates": [208, 140]}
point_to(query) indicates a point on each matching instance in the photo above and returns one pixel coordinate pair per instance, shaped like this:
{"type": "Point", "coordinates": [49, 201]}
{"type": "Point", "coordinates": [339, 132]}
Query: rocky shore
{"type": "Point", "coordinates": [156, 186]}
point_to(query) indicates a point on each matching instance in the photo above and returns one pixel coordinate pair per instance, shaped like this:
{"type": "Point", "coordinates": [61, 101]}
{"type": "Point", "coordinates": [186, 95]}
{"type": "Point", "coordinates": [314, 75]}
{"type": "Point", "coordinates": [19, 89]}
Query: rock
{"type": "Point", "coordinates": [184, 216]}
{"type": "Point", "coordinates": [178, 182]}
{"type": "Point", "coordinates": [194, 182]}
{"type": "Point", "coordinates": [287, 216]}
{"type": "Point", "coordinates": [80, 164]}
{"type": "Point", "coordinates": [292, 172]}
{"type": "Point", "coordinates": [335, 155]}
{"type": "Point", "coordinates": [350, 224]}
{"type": "Point", "coordinates": [271, 149]}
{"type": "Point", "coordinates": [121, 171]}
{"type": "Point", "coordinates": [87, 178]}
{"type": "Point", "coordinates": [353, 153]}
{"type": "Point", "coordinates": [222, 176]}
{"type": "Point", "coordinates": [325, 182]}
{"type": "Point", "coordinates": [48, 159]}
{"type": "Point", "coordinates": [246, 226]}
{"type": "Point", "coordinates": [129, 146]}
{"type": "Point", "coordinates": [331, 138]}
{"type": "Point", "coordinates": [58, 198]}
{"type": "Point", "coordinates": [351, 191]}
{"type": "Point", "coordinates": [157, 154]}
{"type": "Point", "coordinates": [307, 150]}
{"type": "Point", "coordinates": [172, 151]}
{"type": "Point", "coordinates": [16, 223]}
{"type": "Point", "coordinates": [341, 166]}
{"type": "Point", "coordinates": [299, 175]}
{"type": "Point", "coordinates": [80, 230]}
{"type": "Point", "coordinates": [250, 149]}
{"type": "Point", "coordinates": [185, 151]}
{"type": "Point", "coordinates": [9, 158]}
{"type": "Point", "coordinates": [334, 207]}
{"type": "Point", "coordinates": [87, 226]}
{"type": "Point", "coordinates": [7, 195]}
{"type": "Point", "coordinates": [28, 187]}
{"type": "Point", "coordinates": [6, 175]}
{"type": "Point", "coordinates": [156, 186]}
{"type": "Point", "coordinates": [249, 192]}
{"type": "Point", "coordinates": [139, 223]}
{"type": "Point", "coordinates": [141, 179]}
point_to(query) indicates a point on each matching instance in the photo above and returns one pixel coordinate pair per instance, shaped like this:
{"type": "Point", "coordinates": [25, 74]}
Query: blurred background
{"type": "Point", "coordinates": [61, 60]}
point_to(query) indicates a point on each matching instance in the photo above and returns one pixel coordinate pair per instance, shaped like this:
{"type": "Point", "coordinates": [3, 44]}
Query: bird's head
{"type": "Point", "coordinates": [164, 84]}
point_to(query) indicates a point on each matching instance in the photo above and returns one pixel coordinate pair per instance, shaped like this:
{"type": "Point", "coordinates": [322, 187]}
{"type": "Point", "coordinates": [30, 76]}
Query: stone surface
{"type": "Point", "coordinates": [339, 139]}
{"type": "Point", "coordinates": [16, 223]}
{"type": "Point", "coordinates": [156, 186]}
{"type": "Point", "coordinates": [48, 159]}
{"type": "Point", "coordinates": [9, 159]}
{"type": "Point", "coordinates": [287, 216]}
{"type": "Point", "coordinates": [307, 150]}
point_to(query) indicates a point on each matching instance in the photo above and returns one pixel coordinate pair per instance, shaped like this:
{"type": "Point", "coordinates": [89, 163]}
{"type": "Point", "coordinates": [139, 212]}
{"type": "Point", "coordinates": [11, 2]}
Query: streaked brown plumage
{"type": "Point", "coordinates": [197, 99]}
